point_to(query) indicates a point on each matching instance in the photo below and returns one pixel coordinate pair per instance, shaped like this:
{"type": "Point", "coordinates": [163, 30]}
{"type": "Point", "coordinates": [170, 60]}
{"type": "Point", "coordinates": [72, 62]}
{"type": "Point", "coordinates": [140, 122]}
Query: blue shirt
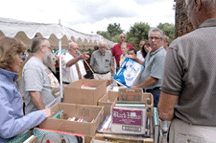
{"type": "Point", "coordinates": [12, 120]}
{"type": "Point", "coordinates": [154, 65]}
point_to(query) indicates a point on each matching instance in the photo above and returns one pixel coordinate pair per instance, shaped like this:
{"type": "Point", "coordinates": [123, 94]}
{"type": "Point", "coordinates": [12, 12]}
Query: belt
{"type": "Point", "coordinates": [66, 82]}
{"type": "Point", "coordinates": [102, 73]}
{"type": "Point", "coordinates": [149, 90]}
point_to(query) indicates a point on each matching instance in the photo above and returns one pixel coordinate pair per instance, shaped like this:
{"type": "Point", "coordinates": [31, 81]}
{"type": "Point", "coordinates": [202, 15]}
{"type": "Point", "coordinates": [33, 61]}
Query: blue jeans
{"type": "Point", "coordinates": [156, 94]}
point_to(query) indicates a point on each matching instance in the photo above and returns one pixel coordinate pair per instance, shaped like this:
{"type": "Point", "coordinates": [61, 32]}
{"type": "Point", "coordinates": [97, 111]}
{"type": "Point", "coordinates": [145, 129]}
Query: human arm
{"type": "Point", "coordinates": [12, 121]}
{"type": "Point", "coordinates": [136, 59]}
{"type": "Point", "coordinates": [36, 99]}
{"type": "Point", "coordinates": [166, 106]}
{"type": "Point", "coordinates": [111, 64]}
{"type": "Point", "coordinates": [84, 55]}
{"type": "Point", "coordinates": [148, 82]}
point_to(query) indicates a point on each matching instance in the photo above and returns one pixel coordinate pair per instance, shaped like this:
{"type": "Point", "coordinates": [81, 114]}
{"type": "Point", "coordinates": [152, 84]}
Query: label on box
{"type": "Point", "coordinates": [128, 121]}
{"type": "Point", "coordinates": [127, 117]}
{"type": "Point", "coordinates": [127, 94]}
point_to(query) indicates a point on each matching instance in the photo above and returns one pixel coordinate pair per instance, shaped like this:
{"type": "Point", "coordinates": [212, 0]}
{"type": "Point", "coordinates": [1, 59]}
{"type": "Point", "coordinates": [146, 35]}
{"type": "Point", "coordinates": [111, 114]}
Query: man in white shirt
{"type": "Point", "coordinates": [72, 65]}
{"type": "Point", "coordinates": [139, 53]}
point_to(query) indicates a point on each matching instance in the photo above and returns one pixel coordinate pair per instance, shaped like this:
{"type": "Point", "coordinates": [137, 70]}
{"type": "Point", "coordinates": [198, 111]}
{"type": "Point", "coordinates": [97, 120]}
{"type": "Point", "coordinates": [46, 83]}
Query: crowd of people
{"type": "Point", "coordinates": [181, 78]}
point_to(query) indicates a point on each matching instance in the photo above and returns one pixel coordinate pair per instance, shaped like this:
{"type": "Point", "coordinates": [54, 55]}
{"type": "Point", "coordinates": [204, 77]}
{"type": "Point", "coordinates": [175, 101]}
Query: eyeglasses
{"type": "Point", "coordinates": [156, 38]}
{"type": "Point", "coordinates": [75, 49]}
{"type": "Point", "coordinates": [48, 47]}
{"type": "Point", "coordinates": [122, 37]}
{"type": "Point", "coordinates": [102, 47]}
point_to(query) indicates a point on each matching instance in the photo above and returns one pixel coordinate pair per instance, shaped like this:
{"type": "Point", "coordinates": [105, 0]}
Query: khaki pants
{"type": "Point", "coordinates": [182, 132]}
{"type": "Point", "coordinates": [103, 76]}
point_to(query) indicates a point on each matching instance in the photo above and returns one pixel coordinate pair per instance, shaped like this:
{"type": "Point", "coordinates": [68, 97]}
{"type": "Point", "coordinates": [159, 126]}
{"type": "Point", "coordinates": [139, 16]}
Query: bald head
{"type": "Point", "coordinates": [102, 46]}
{"type": "Point", "coordinates": [73, 49]}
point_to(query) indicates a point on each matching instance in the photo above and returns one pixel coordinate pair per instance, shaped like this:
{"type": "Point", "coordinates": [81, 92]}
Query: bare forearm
{"type": "Point", "coordinates": [72, 62]}
{"type": "Point", "coordinates": [139, 61]}
{"type": "Point", "coordinates": [36, 100]}
{"type": "Point", "coordinates": [148, 82]}
{"type": "Point", "coordinates": [166, 106]}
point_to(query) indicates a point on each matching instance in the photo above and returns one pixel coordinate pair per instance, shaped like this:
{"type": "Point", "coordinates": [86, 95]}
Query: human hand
{"type": "Point", "coordinates": [84, 55]}
{"type": "Point", "coordinates": [134, 87]}
{"type": "Point", "coordinates": [112, 68]}
{"type": "Point", "coordinates": [47, 112]}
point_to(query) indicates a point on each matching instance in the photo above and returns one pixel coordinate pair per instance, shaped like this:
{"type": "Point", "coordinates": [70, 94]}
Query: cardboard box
{"type": "Point", "coordinates": [128, 120]}
{"type": "Point", "coordinates": [106, 138]}
{"type": "Point", "coordinates": [73, 93]}
{"type": "Point", "coordinates": [92, 114]}
{"type": "Point", "coordinates": [149, 100]}
{"type": "Point", "coordinates": [129, 73]}
{"type": "Point", "coordinates": [109, 99]}
{"type": "Point", "coordinates": [128, 94]}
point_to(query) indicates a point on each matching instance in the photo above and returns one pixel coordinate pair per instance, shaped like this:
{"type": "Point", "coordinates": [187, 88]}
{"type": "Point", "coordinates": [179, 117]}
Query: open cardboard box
{"type": "Point", "coordinates": [73, 93]}
{"type": "Point", "coordinates": [107, 138]}
{"type": "Point", "coordinates": [107, 101]}
{"type": "Point", "coordinates": [92, 114]}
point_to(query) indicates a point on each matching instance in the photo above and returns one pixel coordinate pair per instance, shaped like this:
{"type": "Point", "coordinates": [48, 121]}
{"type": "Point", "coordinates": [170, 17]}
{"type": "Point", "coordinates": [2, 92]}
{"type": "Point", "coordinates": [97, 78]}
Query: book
{"type": "Point", "coordinates": [54, 136]}
{"type": "Point", "coordinates": [129, 73]}
{"type": "Point", "coordinates": [156, 124]}
{"type": "Point", "coordinates": [31, 139]}
{"type": "Point", "coordinates": [106, 124]}
{"type": "Point", "coordinates": [20, 138]}
{"type": "Point", "coordinates": [130, 104]}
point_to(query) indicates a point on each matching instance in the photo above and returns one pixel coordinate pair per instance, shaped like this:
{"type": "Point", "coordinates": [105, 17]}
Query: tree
{"type": "Point", "coordinates": [138, 32]}
{"type": "Point", "coordinates": [168, 29]}
{"type": "Point", "coordinates": [113, 32]}
{"type": "Point", "coordinates": [105, 34]}
{"type": "Point", "coordinates": [114, 29]}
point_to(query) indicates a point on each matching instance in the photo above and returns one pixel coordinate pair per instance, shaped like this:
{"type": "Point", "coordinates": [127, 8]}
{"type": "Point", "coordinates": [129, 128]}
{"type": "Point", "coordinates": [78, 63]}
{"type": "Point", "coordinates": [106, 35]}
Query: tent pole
{"type": "Point", "coordinates": [60, 67]}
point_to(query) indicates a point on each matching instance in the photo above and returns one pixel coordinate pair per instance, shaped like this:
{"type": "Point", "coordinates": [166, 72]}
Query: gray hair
{"type": "Point", "coordinates": [156, 30]}
{"type": "Point", "coordinates": [122, 34]}
{"type": "Point", "coordinates": [37, 42]}
{"type": "Point", "coordinates": [102, 41]}
{"type": "Point", "coordinates": [209, 5]}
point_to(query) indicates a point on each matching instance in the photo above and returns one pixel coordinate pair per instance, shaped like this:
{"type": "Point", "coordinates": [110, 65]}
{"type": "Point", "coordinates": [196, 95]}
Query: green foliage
{"type": "Point", "coordinates": [87, 50]}
{"type": "Point", "coordinates": [105, 34]}
{"type": "Point", "coordinates": [114, 29]}
{"type": "Point", "coordinates": [138, 32]}
{"type": "Point", "coordinates": [113, 32]}
{"type": "Point", "coordinates": [168, 29]}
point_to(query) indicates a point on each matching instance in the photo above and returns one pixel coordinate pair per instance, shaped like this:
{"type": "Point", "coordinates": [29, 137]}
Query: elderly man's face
{"type": "Point", "coordinates": [74, 49]}
{"type": "Point", "coordinates": [123, 38]}
{"type": "Point", "coordinates": [155, 40]}
{"type": "Point", "coordinates": [49, 58]}
{"type": "Point", "coordinates": [102, 47]}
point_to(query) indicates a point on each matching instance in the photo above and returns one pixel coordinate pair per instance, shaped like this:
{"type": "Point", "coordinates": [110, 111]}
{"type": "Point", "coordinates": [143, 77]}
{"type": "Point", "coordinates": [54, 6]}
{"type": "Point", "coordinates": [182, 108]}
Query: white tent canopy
{"type": "Point", "coordinates": [26, 31]}
{"type": "Point", "coordinates": [58, 35]}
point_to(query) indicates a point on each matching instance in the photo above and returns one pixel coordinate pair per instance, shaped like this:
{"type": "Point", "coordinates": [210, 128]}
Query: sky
{"type": "Point", "coordinates": [90, 16]}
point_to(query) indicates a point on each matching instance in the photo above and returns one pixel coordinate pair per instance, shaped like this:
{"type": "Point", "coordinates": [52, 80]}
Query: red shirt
{"type": "Point", "coordinates": [116, 51]}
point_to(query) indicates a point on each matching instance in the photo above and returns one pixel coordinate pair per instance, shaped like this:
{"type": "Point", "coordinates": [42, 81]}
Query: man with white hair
{"type": "Point", "coordinates": [102, 63]}
{"type": "Point", "coordinates": [72, 65]}
{"type": "Point", "coordinates": [188, 96]}
{"type": "Point", "coordinates": [41, 87]}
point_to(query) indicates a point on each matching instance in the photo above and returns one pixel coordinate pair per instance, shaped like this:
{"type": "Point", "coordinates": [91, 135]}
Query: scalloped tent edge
{"type": "Point", "coordinates": [58, 35]}
{"type": "Point", "coordinates": [54, 32]}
